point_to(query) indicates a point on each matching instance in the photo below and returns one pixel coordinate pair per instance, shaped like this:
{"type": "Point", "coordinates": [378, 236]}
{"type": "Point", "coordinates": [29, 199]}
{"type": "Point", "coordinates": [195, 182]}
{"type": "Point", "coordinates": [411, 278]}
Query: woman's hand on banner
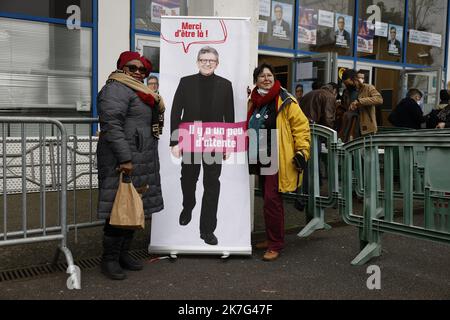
{"type": "Point", "coordinates": [176, 152]}
{"type": "Point", "coordinates": [226, 156]}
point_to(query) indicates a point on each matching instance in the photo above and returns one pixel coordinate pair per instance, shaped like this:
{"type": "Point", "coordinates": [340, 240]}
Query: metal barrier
{"type": "Point", "coordinates": [325, 140]}
{"type": "Point", "coordinates": [30, 227]}
{"type": "Point", "coordinates": [316, 202]}
{"type": "Point", "coordinates": [81, 165]}
{"type": "Point", "coordinates": [378, 210]}
{"type": "Point", "coordinates": [40, 166]}
{"type": "Point", "coordinates": [82, 181]}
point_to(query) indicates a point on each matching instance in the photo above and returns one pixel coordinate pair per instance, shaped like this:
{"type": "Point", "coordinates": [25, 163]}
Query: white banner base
{"type": "Point", "coordinates": [195, 250]}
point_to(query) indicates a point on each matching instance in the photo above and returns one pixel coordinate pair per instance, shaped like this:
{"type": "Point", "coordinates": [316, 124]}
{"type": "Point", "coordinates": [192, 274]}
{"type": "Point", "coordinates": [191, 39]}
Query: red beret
{"type": "Point", "coordinates": [126, 57]}
{"type": "Point", "coordinates": [147, 64]}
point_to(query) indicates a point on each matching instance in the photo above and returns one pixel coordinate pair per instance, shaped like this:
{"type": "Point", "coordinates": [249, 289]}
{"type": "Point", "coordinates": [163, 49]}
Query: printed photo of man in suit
{"type": "Point", "coordinates": [280, 27]}
{"type": "Point", "coordinates": [342, 35]}
{"type": "Point", "coordinates": [204, 97]}
{"type": "Point", "coordinates": [394, 45]}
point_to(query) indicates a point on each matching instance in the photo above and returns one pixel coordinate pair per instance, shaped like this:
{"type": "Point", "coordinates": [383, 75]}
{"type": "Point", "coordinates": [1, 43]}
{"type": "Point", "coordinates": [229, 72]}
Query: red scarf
{"type": "Point", "coordinates": [148, 99]}
{"type": "Point", "coordinates": [259, 101]}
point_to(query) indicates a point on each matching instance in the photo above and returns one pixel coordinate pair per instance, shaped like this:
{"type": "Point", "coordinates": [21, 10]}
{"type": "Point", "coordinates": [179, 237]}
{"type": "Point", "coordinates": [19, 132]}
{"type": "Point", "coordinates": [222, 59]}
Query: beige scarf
{"type": "Point", "coordinates": [134, 84]}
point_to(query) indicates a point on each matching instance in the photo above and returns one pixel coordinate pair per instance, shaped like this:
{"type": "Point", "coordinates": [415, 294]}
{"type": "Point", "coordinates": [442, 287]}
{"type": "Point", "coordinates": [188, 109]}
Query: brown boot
{"type": "Point", "coordinates": [262, 245]}
{"type": "Point", "coordinates": [270, 255]}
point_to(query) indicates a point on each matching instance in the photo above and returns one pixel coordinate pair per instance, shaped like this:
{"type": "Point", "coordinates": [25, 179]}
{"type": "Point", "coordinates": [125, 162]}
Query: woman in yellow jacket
{"type": "Point", "coordinates": [275, 122]}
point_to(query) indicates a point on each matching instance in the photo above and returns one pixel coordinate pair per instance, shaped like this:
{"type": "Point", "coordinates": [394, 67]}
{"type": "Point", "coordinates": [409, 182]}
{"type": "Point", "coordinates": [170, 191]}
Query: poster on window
{"type": "Point", "coordinates": [326, 19]}
{"type": "Point", "coordinates": [204, 73]}
{"type": "Point", "coordinates": [281, 24]}
{"type": "Point", "coordinates": [161, 8]}
{"type": "Point", "coordinates": [307, 26]}
{"type": "Point", "coordinates": [343, 30]}
{"type": "Point", "coordinates": [366, 33]}
{"type": "Point", "coordinates": [425, 38]}
{"type": "Point", "coordinates": [262, 26]}
{"type": "Point", "coordinates": [395, 40]}
{"type": "Point", "coordinates": [264, 8]}
{"type": "Point", "coordinates": [381, 29]}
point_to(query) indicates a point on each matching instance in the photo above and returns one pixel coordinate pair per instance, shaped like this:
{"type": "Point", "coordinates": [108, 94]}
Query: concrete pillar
{"type": "Point", "coordinates": [239, 8]}
{"type": "Point", "coordinates": [200, 8]}
{"type": "Point", "coordinates": [113, 35]}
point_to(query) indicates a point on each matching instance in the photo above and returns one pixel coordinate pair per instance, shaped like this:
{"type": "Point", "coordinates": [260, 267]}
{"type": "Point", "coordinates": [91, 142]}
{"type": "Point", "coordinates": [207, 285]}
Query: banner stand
{"type": "Point", "coordinates": [204, 74]}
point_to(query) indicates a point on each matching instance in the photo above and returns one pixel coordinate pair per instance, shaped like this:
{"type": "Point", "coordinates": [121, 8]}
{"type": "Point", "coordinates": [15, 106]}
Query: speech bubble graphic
{"type": "Point", "coordinates": [189, 32]}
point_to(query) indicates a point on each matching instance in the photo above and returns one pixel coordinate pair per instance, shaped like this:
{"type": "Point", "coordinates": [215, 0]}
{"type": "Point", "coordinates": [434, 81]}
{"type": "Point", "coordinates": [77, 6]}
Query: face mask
{"type": "Point", "coordinates": [361, 80]}
{"type": "Point", "coordinates": [420, 103]}
{"type": "Point", "coordinates": [262, 92]}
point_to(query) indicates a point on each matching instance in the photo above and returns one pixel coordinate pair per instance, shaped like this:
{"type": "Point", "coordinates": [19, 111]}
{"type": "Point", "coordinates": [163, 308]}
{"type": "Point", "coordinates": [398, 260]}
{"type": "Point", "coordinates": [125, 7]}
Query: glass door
{"type": "Point", "coordinates": [427, 80]}
{"type": "Point", "coordinates": [319, 67]}
{"type": "Point", "coordinates": [149, 47]}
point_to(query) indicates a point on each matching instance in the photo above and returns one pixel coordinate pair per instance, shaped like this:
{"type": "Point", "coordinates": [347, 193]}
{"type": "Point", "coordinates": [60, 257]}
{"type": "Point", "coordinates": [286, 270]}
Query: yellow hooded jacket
{"type": "Point", "coordinates": [293, 135]}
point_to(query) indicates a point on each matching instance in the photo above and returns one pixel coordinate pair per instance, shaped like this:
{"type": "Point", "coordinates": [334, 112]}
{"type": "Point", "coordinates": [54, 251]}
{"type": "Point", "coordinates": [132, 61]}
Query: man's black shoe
{"type": "Point", "coordinates": [209, 238]}
{"type": "Point", "coordinates": [185, 217]}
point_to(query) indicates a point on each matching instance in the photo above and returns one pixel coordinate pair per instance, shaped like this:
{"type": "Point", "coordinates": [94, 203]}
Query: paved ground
{"type": "Point", "coordinates": [314, 268]}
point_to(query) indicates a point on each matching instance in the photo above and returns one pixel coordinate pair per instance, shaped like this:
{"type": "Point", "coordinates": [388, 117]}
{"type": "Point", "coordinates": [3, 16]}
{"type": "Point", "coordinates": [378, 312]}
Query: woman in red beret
{"type": "Point", "coordinates": [129, 115]}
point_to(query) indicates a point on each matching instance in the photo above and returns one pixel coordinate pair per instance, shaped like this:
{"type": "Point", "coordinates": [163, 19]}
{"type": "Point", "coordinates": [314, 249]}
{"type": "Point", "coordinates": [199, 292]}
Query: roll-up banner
{"type": "Point", "coordinates": [204, 72]}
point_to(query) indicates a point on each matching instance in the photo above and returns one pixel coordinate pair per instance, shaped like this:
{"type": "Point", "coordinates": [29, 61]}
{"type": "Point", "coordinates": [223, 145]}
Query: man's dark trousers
{"type": "Point", "coordinates": [190, 171]}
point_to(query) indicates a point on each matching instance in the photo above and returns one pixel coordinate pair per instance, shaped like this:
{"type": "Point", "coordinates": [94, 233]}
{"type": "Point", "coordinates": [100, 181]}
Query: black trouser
{"type": "Point", "coordinates": [190, 170]}
{"type": "Point", "coordinates": [111, 231]}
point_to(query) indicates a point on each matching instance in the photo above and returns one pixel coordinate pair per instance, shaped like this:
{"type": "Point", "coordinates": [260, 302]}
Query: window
{"type": "Point", "coordinates": [384, 40]}
{"type": "Point", "coordinates": [47, 8]}
{"type": "Point", "coordinates": [44, 68]}
{"type": "Point", "coordinates": [149, 47]}
{"type": "Point", "coordinates": [276, 23]}
{"type": "Point", "coordinates": [326, 26]}
{"type": "Point", "coordinates": [427, 32]}
{"type": "Point", "coordinates": [148, 12]}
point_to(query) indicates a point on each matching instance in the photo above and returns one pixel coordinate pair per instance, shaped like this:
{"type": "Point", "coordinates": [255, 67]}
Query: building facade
{"type": "Point", "coordinates": [55, 55]}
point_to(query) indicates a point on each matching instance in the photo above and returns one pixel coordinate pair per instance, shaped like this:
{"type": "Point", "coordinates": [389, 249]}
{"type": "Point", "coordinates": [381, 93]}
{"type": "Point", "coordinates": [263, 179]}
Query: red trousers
{"type": "Point", "coordinates": [273, 213]}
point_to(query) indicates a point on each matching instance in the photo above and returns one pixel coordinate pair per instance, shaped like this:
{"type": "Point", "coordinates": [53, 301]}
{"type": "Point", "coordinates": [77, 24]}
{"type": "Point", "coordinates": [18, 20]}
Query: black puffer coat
{"type": "Point", "coordinates": [125, 124]}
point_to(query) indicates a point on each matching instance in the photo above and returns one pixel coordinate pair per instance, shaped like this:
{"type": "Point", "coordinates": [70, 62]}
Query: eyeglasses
{"type": "Point", "coordinates": [205, 61]}
{"type": "Point", "coordinates": [134, 68]}
{"type": "Point", "coordinates": [264, 76]}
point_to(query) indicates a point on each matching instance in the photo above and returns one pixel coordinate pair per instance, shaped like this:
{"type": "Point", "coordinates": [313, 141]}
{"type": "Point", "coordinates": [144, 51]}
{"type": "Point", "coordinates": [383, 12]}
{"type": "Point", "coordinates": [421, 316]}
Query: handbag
{"type": "Point", "coordinates": [128, 210]}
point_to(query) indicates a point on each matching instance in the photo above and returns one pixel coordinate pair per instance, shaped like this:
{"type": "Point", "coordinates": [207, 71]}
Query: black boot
{"type": "Point", "coordinates": [185, 217]}
{"type": "Point", "coordinates": [110, 260]}
{"type": "Point", "coordinates": [125, 260]}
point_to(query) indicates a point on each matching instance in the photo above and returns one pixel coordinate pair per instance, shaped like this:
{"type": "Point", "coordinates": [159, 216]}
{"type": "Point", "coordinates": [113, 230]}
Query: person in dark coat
{"type": "Point", "coordinates": [319, 106]}
{"type": "Point", "coordinates": [444, 118]}
{"type": "Point", "coordinates": [408, 113]}
{"type": "Point", "coordinates": [204, 97]}
{"type": "Point", "coordinates": [432, 119]}
{"type": "Point", "coordinates": [128, 142]}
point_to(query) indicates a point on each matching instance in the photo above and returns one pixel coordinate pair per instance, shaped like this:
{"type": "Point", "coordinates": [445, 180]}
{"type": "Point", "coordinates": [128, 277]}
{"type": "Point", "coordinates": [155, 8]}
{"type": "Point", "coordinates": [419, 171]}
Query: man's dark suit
{"type": "Point", "coordinates": [284, 25]}
{"type": "Point", "coordinates": [346, 35]}
{"type": "Point", "coordinates": [396, 44]}
{"type": "Point", "coordinates": [206, 99]}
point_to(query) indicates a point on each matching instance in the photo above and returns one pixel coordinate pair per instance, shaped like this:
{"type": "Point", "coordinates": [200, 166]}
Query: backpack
{"type": "Point", "coordinates": [258, 137]}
